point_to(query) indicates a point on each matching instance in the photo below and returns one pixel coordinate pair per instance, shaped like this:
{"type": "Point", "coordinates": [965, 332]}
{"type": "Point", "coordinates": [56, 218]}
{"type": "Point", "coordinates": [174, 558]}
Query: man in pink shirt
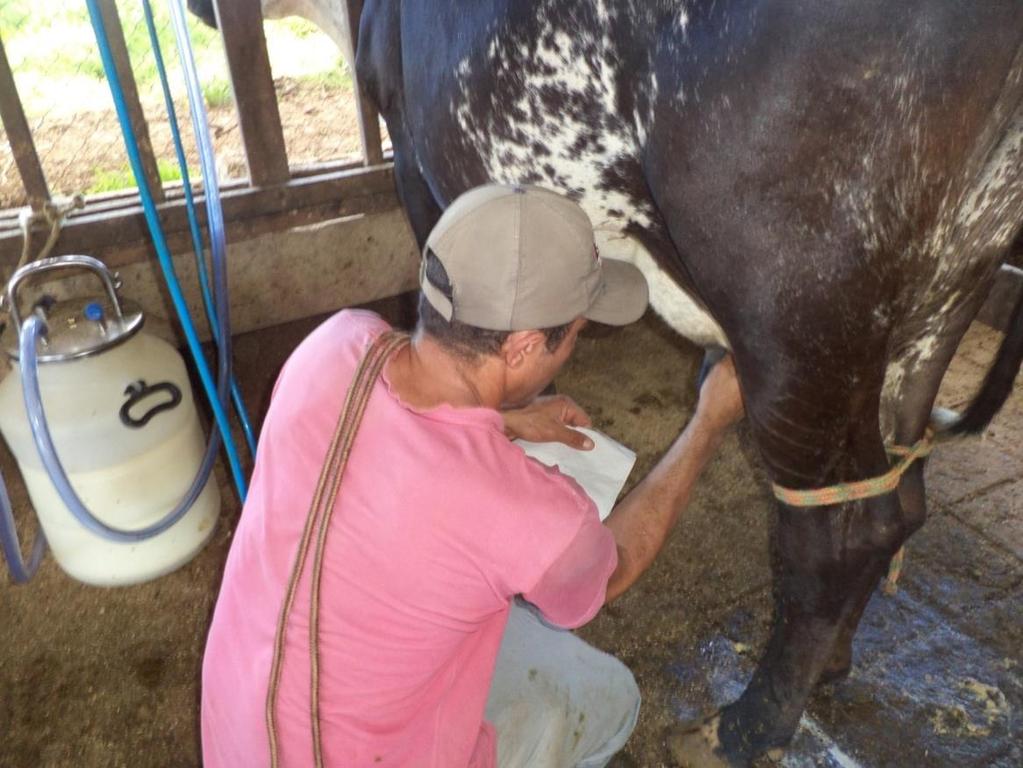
{"type": "Point", "coordinates": [453, 564]}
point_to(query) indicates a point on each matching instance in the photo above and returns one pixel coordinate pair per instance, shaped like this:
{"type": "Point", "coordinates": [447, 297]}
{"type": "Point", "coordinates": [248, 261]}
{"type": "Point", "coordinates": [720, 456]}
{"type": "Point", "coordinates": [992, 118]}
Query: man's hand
{"type": "Point", "coordinates": [720, 405]}
{"type": "Point", "coordinates": [549, 420]}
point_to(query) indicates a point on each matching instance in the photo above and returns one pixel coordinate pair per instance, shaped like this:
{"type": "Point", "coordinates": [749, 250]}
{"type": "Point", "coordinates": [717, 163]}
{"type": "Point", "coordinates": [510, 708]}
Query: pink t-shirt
{"type": "Point", "coordinates": [439, 523]}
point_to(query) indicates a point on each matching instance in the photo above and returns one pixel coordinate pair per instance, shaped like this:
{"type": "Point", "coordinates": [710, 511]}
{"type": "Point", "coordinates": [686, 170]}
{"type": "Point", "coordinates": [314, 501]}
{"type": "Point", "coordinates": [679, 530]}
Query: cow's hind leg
{"type": "Point", "coordinates": [819, 591]}
{"type": "Point", "coordinates": [914, 512]}
{"type": "Point", "coordinates": [907, 413]}
{"type": "Point", "coordinates": [913, 508]}
{"type": "Point", "coordinates": [380, 72]}
{"type": "Point", "coordinates": [813, 433]}
{"type": "Point", "coordinates": [415, 194]}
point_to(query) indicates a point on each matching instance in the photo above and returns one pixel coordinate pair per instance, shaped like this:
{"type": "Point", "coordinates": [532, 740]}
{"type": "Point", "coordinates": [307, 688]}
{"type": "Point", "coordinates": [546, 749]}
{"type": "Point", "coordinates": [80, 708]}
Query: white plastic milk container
{"type": "Point", "coordinates": [119, 407]}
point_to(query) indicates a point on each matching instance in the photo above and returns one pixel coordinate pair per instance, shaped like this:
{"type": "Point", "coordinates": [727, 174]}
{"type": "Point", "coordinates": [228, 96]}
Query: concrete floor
{"type": "Point", "coordinates": [95, 677]}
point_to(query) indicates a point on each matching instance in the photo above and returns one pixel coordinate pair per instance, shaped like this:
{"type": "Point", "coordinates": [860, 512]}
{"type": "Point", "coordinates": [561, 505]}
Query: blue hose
{"type": "Point", "coordinates": [21, 572]}
{"type": "Point", "coordinates": [213, 313]}
{"type": "Point", "coordinates": [163, 252]}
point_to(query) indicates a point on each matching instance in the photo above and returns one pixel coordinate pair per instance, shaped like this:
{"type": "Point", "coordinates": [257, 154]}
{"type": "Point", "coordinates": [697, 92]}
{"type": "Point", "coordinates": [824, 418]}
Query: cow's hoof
{"type": "Point", "coordinates": [695, 744]}
{"type": "Point", "coordinates": [834, 674]}
{"type": "Point", "coordinates": [838, 668]}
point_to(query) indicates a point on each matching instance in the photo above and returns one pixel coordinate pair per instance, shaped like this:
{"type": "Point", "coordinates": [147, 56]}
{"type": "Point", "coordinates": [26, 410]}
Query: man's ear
{"type": "Point", "coordinates": [520, 346]}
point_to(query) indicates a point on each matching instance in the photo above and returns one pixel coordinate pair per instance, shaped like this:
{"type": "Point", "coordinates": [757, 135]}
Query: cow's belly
{"type": "Point", "coordinates": [667, 298]}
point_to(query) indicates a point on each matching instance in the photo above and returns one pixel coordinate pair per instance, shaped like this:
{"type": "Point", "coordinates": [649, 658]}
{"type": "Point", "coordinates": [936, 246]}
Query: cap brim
{"type": "Point", "coordinates": [625, 295]}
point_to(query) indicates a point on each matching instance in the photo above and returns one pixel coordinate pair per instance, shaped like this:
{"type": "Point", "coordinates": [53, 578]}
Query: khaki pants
{"type": "Point", "coordinates": [555, 701]}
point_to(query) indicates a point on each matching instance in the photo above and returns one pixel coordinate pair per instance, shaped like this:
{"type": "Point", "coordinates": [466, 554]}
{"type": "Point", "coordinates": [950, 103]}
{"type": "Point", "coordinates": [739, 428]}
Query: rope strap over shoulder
{"type": "Point", "coordinates": [320, 510]}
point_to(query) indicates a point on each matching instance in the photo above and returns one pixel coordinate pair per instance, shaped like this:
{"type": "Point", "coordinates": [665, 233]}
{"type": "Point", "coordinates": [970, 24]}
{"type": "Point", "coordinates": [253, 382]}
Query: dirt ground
{"type": "Point", "coordinates": [318, 120]}
{"type": "Point", "coordinates": [97, 678]}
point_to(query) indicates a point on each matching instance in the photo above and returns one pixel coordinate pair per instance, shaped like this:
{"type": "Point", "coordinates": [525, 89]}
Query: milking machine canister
{"type": "Point", "coordinates": [117, 407]}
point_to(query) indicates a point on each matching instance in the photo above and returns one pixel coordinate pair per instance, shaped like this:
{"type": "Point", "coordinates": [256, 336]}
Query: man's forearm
{"type": "Point", "coordinates": [644, 518]}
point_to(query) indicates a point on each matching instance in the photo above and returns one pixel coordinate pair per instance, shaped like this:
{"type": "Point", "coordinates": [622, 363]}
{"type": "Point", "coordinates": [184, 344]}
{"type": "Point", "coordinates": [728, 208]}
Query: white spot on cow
{"type": "Point", "coordinates": [891, 396]}
{"type": "Point", "coordinates": [667, 298]}
{"type": "Point", "coordinates": [582, 146]}
{"type": "Point", "coordinates": [988, 201]}
{"type": "Point", "coordinates": [978, 214]}
{"type": "Point", "coordinates": [984, 219]}
{"type": "Point", "coordinates": [569, 67]}
{"type": "Point", "coordinates": [923, 349]}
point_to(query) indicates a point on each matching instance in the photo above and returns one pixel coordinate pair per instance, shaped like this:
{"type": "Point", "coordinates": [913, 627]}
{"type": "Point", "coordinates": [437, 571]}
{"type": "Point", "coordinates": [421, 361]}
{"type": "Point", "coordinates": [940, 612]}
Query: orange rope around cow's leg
{"type": "Point", "coordinates": [841, 493]}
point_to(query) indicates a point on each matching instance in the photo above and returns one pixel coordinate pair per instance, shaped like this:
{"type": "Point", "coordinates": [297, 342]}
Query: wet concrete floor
{"type": "Point", "coordinates": [109, 677]}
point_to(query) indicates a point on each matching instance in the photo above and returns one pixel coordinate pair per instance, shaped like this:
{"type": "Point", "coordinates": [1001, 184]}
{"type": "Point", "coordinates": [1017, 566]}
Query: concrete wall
{"type": "Point", "coordinates": [278, 277]}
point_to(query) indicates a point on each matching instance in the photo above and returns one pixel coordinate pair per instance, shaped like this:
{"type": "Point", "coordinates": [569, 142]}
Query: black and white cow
{"type": "Point", "coordinates": [825, 187]}
{"type": "Point", "coordinates": [331, 16]}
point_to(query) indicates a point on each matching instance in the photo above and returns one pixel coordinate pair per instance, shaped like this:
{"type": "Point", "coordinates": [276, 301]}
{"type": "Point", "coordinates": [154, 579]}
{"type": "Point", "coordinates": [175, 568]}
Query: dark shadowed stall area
{"type": "Point", "coordinates": [97, 678]}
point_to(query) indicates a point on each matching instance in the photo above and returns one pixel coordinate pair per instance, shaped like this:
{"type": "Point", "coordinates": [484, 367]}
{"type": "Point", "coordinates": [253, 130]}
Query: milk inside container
{"type": "Point", "coordinates": [119, 408]}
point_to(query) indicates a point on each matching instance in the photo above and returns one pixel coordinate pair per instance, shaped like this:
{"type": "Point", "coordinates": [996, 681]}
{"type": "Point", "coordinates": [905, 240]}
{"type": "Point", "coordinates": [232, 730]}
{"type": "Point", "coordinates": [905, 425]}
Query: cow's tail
{"type": "Point", "coordinates": [998, 384]}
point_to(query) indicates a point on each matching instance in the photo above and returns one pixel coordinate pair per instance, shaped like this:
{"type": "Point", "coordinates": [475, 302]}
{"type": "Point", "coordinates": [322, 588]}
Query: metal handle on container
{"type": "Point", "coordinates": [61, 262]}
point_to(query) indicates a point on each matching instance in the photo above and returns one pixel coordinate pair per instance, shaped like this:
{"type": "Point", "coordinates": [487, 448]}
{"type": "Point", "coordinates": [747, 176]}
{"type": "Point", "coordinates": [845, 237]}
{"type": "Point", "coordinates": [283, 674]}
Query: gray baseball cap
{"type": "Point", "coordinates": [523, 257]}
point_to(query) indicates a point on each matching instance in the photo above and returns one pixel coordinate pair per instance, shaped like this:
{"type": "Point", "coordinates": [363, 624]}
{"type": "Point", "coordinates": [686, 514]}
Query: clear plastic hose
{"type": "Point", "coordinates": [163, 251]}
{"type": "Point", "coordinates": [21, 571]}
{"type": "Point", "coordinates": [217, 313]}
{"type": "Point", "coordinates": [31, 330]}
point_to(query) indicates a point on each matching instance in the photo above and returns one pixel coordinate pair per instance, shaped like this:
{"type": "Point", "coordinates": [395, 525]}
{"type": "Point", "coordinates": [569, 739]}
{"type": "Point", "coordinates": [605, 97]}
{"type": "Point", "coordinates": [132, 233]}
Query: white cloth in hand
{"type": "Point", "coordinates": [601, 472]}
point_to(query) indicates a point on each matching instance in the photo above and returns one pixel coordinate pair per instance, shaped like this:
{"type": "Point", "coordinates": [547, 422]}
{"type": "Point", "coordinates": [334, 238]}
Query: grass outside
{"type": "Point", "coordinates": [111, 180]}
{"type": "Point", "coordinates": [52, 50]}
{"type": "Point", "coordinates": [62, 86]}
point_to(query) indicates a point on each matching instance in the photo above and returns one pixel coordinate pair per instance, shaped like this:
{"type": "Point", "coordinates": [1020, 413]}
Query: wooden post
{"type": "Point", "coordinates": [118, 225]}
{"type": "Point", "coordinates": [369, 120]}
{"type": "Point", "coordinates": [122, 63]}
{"type": "Point", "coordinates": [20, 137]}
{"type": "Point", "coordinates": [241, 27]}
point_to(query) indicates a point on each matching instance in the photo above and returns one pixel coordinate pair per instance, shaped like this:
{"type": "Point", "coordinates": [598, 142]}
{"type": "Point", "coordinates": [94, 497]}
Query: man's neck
{"type": "Point", "coordinates": [425, 375]}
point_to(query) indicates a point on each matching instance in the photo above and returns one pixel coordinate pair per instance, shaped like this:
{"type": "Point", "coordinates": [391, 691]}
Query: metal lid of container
{"type": "Point", "coordinates": [75, 327]}
{"type": "Point", "coordinates": [80, 327]}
